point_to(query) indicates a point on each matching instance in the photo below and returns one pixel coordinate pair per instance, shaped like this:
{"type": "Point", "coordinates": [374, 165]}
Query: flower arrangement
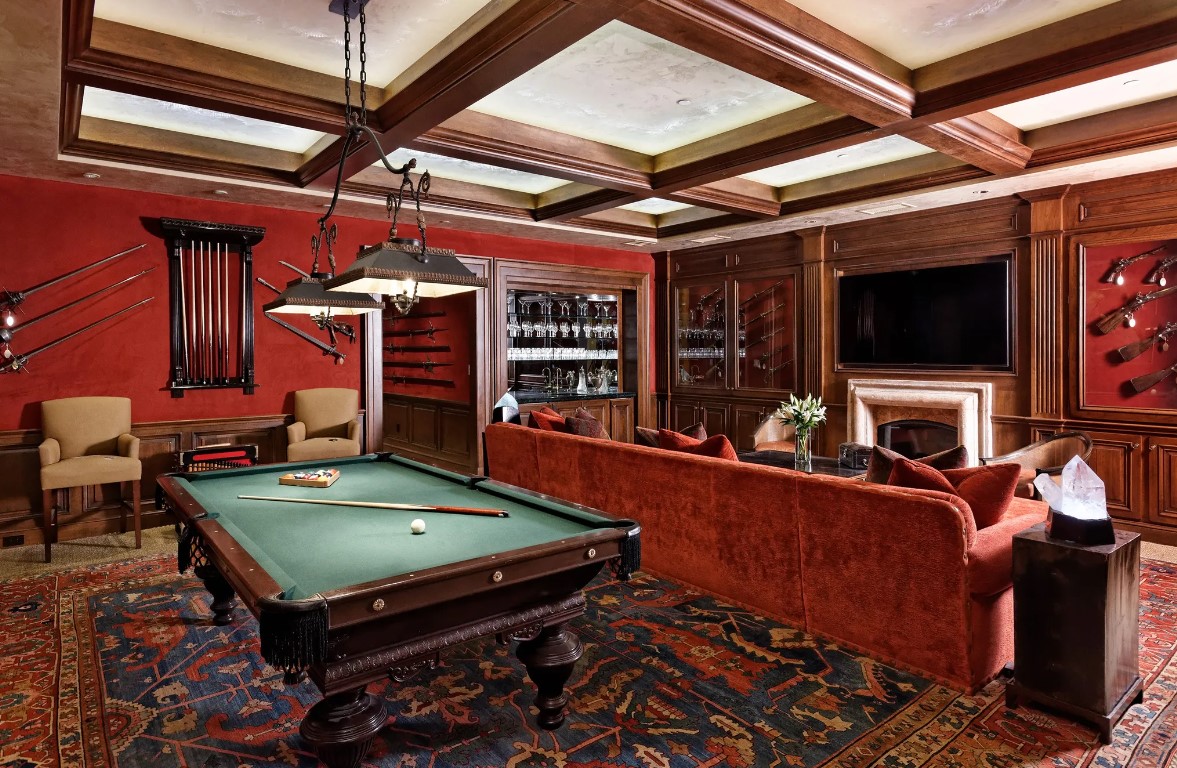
{"type": "Point", "coordinates": [802, 414]}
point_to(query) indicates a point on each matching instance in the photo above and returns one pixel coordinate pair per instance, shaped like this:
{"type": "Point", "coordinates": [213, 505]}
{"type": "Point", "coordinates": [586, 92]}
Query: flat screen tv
{"type": "Point", "coordinates": [953, 317]}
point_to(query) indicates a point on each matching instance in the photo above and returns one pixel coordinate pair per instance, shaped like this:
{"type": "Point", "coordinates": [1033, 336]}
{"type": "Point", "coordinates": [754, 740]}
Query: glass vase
{"type": "Point", "coordinates": [802, 450]}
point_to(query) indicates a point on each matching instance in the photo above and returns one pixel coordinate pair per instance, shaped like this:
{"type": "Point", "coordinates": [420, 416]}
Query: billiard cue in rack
{"type": "Point", "coordinates": [479, 511]}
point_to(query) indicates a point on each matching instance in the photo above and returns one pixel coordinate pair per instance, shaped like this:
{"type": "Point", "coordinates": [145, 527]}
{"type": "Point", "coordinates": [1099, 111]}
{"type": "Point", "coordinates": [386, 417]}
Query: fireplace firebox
{"type": "Point", "coordinates": [916, 438]}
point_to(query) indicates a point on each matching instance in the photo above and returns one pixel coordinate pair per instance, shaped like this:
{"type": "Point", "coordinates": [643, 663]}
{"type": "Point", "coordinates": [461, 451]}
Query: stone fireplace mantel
{"type": "Point", "coordinates": [967, 404]}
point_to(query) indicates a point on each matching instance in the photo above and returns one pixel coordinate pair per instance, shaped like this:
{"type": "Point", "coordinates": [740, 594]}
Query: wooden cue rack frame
{"type": "Point", "coordinates": [211, 290]}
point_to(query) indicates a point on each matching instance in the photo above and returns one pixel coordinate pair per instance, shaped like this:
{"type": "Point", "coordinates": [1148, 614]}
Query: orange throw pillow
{"type": "Point", "coordinates": [546, 419]}
{"type": "Point", "coordinates": [987, 490]}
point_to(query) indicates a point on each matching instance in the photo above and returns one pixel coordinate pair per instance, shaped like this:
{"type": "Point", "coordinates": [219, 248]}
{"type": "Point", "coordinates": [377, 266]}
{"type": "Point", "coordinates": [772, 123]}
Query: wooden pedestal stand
{"type": "Point", "coordinates": [1076, 626]}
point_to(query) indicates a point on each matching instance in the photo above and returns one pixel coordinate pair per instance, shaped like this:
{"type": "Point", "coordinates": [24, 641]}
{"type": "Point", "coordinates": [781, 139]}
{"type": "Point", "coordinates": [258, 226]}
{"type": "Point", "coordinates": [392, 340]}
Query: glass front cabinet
{"type": "Point", "coordinates": [736, 340]}
{"type": "Point", "coordinates": [561, 343]}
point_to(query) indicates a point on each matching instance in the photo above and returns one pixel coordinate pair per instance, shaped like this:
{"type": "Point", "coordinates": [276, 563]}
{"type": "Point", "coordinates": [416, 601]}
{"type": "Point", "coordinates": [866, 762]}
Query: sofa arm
{"type": "Point", "coordinates": [353, 430]}
{"type": "Point", "coordinates": [50, 451]}
{"type": "Point", "coordinates": [990, 568]}
{"type": "Point", "coordinates": [296, 432]}
{"type": "Point", "coordinates": [128, 446]}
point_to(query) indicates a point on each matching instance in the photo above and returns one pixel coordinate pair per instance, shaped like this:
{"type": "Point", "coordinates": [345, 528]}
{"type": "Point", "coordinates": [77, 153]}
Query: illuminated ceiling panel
{"type": "Point", "coordinates": [180, 118]}
{"type": "Point", "coordinates": [1143, 85]}
{"type": "Point", "coordinates": [475, 173]}
{"type": "Point", "coordinates": [630, 89]}
{"type": "Point", "coordinates": [865, 155]}
{"type": "Point", "coordinates": [655, 206]}
{"type": "Point", "coordinates": [302, 33]}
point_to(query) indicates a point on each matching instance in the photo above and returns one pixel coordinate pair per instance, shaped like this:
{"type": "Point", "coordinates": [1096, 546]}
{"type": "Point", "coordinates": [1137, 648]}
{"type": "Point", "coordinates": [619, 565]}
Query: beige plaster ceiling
{"type": "Point", "coordinates": [919, 32]}
{"type": "Point", "coordinates": [865, 155]}
{"type": "Point", "coordinates": [302, 33]}
{"type": "Point", "coordinates": [627, 88]}
{"type": "Point", "coordinates": [655, 206]}
{"type": "Point", "coordinates": [476, 173]}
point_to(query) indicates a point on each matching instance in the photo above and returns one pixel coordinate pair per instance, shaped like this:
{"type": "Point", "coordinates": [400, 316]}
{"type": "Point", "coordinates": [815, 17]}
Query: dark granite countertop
{"type": "Point", "coordinates": [554, 397]}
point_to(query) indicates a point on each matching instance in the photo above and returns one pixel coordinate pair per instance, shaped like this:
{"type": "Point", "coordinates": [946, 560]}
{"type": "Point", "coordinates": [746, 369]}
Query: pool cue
{"type": "Point", "coordinates": [388, 505]}
{"type": "Point", "coordinates": [184, 311]}
{"type": "Point", "coordinates": [208, 317]}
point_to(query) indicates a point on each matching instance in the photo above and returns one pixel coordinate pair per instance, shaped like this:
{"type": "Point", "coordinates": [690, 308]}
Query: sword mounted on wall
{"type": "Point", "coordinates": [14, 362]}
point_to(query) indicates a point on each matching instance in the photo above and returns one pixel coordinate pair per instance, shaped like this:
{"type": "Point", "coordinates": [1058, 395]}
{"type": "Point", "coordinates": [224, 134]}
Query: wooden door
{"type": "Point", "coordinates": [684, 413]}
{"type": "Point", "coordinates": [1118, 459]}
{"type": "Point", "coordinates": [621, 420]}
{"type": "Point", "coordinates": [745, 419]}
{"type": "Point", "coordinates": [1162, 480]}
{"type": "Point", "coordinates": [714, 418]}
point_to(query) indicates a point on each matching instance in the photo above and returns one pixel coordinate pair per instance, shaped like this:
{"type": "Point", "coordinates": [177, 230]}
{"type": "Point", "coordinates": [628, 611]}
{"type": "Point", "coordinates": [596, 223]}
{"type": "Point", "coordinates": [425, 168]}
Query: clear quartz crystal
{"type": "Point", "coordinates": [1082, 493]}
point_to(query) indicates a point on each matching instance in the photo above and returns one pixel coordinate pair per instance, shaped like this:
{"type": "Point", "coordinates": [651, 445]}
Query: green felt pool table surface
{"type": "Point", "coordinates": [313, 548]}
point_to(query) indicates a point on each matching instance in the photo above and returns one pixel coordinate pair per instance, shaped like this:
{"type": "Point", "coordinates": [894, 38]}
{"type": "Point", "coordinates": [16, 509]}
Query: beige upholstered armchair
{"type": "Point", "coordinates": [772, 435]}
{"type": "Point", "coordinates": [88, 441]}
{"type": "Point", "coordinates": [1047, 456]}
{"type": "Point", "coordinates": [325, 424]}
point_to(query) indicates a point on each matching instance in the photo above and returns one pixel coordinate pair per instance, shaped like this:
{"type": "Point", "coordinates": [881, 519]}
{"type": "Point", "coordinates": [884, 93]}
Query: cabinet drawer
{"type": "Point", "coordinates": [704, 264]}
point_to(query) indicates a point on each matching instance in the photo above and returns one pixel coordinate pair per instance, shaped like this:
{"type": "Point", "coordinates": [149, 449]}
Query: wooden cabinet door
{"type": "Point", "coordinates": [621, 420]}
{"type": "Point", "coordinates": [745, 420]}
{"type": "Point", "coordinates": [1118, 459]}
{"type": "Point", "coordinates": [1162, 480]}
{"type": "Point", "coordinates": [714, 418]}
{"type": "Point", "coordinates": [684, 413]}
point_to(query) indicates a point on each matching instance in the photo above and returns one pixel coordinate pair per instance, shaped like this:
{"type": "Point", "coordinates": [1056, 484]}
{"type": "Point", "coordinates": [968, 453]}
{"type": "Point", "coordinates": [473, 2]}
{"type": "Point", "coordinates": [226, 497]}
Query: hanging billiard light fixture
{"type": "Point", "coordinates": [305, 295]}
{"type": "Point", "coordinates": [404, 269]}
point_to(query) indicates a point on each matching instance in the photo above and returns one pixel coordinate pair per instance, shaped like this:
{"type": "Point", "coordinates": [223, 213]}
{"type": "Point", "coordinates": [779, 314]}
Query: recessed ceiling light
{"type": "Point", "coordinates": [221, 192]}
{"type": "Point", "coordinates": [1133, 81]}
{"type": "Point", "coordinates": [91, 175]}
{"type": "Point", "coordinates": [710, 239]}
{"type": "Point", "coordinates": [812, 221]}
{"type": "Point", "coordinates": [844, 154]}
{"type": "Point", "coordinates": [980, 191]}
{"type": "Point", "coordinates": [683, 102]}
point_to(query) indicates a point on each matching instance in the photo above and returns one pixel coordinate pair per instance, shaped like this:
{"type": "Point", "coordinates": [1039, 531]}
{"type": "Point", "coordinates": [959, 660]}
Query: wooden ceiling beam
{"type": "Point", "coordinates": [1104, 42]}
{"type": "Point", "coordinates": [739, 196]}
{"type": "Point", "coordinates": [498, 45]}
{"type": "Point", "coordinates": [1130, 128]}
{"type": "Point", "coordinates": [583, 205]}
{"type": "Point", "coordinates": [983, 140]}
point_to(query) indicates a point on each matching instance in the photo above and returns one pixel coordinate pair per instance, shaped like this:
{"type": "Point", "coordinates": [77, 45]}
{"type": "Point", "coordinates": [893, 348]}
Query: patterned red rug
{"type": "Point", "coordinates": [118, 665]}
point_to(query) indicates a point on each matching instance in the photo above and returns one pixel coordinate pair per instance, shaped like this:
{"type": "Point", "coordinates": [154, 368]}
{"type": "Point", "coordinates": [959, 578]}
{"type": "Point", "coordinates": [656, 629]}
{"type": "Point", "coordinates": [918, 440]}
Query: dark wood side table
{"type": "Point", "coordinates": [1076, 626]}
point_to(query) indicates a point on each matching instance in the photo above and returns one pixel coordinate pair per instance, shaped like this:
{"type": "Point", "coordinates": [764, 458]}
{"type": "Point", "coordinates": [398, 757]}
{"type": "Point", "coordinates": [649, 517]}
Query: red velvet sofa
{"type": "Point", "coordinates": [903, 575]}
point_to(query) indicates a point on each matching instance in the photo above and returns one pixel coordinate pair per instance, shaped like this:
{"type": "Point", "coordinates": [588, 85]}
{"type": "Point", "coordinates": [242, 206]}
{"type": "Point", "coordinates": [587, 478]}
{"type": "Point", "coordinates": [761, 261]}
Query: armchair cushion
{"type": "Point", "coordinates": [296, 432]}
{"type": "Point", "coordinates": [878, 470]}
{"type": "Point", "coordinates": [322, 448]}
{"type": "Point", "coordinates": [90, 470]}
{"type": "Point", "coordinates": [128, 446]}
{"type": "Point", "coordinates": [353, 430]}
{"type": "Point", "coordinates": [50, 451]}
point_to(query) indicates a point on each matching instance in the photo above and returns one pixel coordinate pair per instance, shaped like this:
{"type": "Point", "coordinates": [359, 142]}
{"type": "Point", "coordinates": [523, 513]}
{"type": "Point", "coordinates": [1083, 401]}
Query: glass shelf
{"type": "Point", "coordinates": [555, 339]}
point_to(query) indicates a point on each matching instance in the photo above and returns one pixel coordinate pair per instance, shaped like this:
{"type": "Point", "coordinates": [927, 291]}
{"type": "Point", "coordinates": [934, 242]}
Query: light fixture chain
{"type": "Point", "coordinates": [363, 64]}
{"type": "Point", "coordinates": [347, 61]}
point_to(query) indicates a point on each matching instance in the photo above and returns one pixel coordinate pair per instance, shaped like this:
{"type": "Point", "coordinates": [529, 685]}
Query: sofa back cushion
{"type": "Point", "coordinates": [716, 446]}
{"type": "Point", "coordinates": [987, 490]}
{"type": "Point", "coordinates": [546, 419]}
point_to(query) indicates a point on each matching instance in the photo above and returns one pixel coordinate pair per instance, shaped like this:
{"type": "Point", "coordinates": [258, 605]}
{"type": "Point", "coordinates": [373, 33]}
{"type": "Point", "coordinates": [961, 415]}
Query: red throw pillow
{"type": "Point", "coordinates": [988, 490]}
{"type": "Point", "coordinates": [696, 431]}
{"type": "Point", "coordinates": [675, 441]}
{"type": "Point", "coordinates": [547, 420]}
{"type": "Point", "coordinates": [716, 446]}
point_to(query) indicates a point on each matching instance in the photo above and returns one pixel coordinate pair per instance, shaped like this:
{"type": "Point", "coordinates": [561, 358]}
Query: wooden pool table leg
{"type": "Point", "coordinates": [341, 727]}
{"type": "Point", "coordinates": [550, 658]}
{"type": "Point", "coordinates": [224, 598]}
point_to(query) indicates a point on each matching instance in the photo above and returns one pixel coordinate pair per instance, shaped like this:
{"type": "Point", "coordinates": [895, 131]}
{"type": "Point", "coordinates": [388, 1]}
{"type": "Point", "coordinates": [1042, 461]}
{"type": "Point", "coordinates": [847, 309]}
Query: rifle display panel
{"type": "Point", "coordinates": [767, 332]}
{"type": "Point", "coordinates": [211, 292]}
{"type": "Point", "coordinates": [1148, 378]}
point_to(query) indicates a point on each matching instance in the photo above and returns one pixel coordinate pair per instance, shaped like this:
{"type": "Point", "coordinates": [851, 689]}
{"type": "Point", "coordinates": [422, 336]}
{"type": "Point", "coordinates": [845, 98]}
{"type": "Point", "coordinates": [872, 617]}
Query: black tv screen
{"type": "Point", "coordinates": [939, 317]}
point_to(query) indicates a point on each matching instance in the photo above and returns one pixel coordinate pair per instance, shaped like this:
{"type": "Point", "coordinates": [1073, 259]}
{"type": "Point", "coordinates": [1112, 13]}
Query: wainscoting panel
{"type": "Point", "coordinates": [438, 432]}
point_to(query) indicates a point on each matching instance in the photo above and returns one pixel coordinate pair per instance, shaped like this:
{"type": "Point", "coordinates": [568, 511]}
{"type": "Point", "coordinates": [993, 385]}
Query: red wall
{"type": "Point", "coordinates": [1106, 374]}
{"type": "Point", "coordinates": [51, 227]}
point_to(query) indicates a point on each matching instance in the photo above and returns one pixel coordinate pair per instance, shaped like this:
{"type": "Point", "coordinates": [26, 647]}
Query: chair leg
{"type": "Point", "coordinates": [47, 522]}
{"type": "Point", "coordinates": [135, 493]}
{"type": "Point", "coordinates": [123, 508]}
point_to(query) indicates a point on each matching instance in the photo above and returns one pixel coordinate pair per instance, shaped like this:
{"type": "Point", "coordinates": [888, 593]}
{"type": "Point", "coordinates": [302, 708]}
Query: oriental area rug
{"type": "Point", "coordinates": [119, 665]}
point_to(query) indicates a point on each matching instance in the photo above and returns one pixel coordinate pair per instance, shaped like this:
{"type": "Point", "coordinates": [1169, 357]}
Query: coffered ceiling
{"type": "Point", "coordinates": [648, 123]}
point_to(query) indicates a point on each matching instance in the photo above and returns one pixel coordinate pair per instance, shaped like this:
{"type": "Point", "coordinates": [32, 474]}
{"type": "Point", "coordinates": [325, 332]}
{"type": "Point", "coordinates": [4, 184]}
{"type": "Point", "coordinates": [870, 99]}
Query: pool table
{"type": "Point", "coordinates": [350, 595]}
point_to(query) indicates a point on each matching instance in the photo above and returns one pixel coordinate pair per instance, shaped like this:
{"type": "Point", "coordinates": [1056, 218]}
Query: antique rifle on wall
{"type": "Point", "coordinates": [15, 363]}
{"type": "Point", "coordinates": [436, 348]}
{"type": "Point", "coordinates": [1116, 273]}
{"type": "Point", "coordinates": [420, 380]}
{"type": "Point", "coordinates": [328, 349]}
{"type": "Point", "coordinates": [428, 365]}
{"type": "Point", "coordinates": [765, 337]}
{"type": "Point", "coordinates": [1108, 322]}
{"type": "Point", "coordinates": [1130, 351]}
{"type": "Point", "coordinates": [1158, 272]}
{"type": "Point", "coordinates": [760, 293]}
{"type": "Point", "coordinates": [6, 334]}
{"type": "Point", "coordinates": [1150, 380]}
{"type": "Point", "coordinates": [10, 300]}
{"type": "Point", "coordinates": [768, 312]}
{"type": "Point", "coordinates": [707, 297]}
{"type": "Point", "coordinates": [417, 331]}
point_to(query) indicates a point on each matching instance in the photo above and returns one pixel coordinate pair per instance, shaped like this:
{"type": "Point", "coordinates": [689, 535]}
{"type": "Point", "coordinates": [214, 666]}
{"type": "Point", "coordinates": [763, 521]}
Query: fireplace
{"type": "Point", "coordinates": [967, 405]}
{"type": "Point", "coordinates": [916, 438]}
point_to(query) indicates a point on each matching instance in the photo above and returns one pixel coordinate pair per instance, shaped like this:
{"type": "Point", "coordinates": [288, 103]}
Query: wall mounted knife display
{"type": "Point", "coordinates": [10, 300]}
{"type": "Point", "coordinates": [211, 286]}
{"type": "Point", "coordinates": [328, 349]}
{"type": "Point", "coordinates": [15, 363]}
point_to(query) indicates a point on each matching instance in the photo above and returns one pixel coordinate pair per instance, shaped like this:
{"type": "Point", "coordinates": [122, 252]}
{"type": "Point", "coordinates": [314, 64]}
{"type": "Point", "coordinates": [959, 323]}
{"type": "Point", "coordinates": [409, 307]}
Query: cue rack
{"type": "Point", "coordinates": [211, 290]}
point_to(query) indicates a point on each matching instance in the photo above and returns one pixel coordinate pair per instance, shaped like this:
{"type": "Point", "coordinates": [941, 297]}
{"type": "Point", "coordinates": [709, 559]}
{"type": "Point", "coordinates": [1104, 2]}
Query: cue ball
{"type": "Point", "coordinates": [417, 526]}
